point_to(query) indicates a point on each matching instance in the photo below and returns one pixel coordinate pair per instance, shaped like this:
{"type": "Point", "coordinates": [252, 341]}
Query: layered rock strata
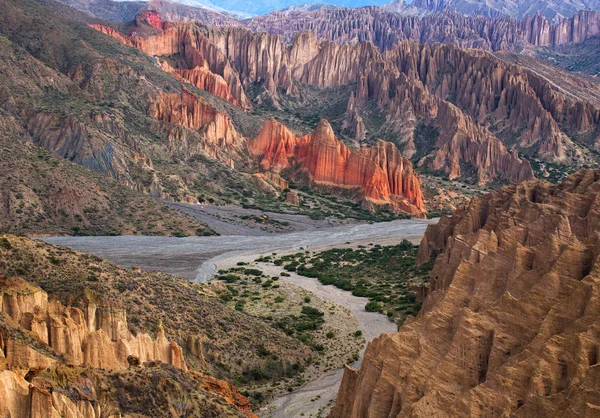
{"type": "Point", "coordinates": [510, 323]}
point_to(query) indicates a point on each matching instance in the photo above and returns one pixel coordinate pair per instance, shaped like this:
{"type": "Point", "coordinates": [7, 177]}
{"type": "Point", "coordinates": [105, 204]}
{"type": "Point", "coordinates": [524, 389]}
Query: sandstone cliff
{"type": "Point", "coordinates": [39, 336]}
{"type": "Point", "coordinates": [510, 324]}
{"type": "Point", "coordinates": [382, 174]}
{"type": "Point", "coordinates": [95, 335]}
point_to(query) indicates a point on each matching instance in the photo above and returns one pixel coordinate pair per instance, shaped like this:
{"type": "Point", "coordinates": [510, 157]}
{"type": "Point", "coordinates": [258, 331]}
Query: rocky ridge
{"type": "Point", "coordinates": [381, 173]}
{"type": "Point", "coordinates": [386, 29]}
{"type": "Point", "coordinates": [328, 65]}
{"type": "Point", "coordinates": [509, 323]}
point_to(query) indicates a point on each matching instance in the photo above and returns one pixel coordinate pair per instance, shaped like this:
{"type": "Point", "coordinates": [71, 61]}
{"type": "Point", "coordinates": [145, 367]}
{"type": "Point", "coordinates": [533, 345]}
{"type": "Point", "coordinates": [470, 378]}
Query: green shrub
{"type": "Point", "coordinates": [373, 306]}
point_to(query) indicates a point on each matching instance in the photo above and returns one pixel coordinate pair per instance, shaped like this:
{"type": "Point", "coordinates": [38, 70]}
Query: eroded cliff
{"type": "Point", "coordinates": [381, 173]}
{"type": "Point", "coordinates": [510, 323]}
{"type": "Point", "coordinates": [386, 29]}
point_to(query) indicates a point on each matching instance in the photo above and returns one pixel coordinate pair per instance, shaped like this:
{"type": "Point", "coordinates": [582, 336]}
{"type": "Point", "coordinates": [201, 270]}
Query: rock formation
{"type": "Point", "coordinates": [200, 63]}
{"type": "Point", "coordinates": [149, 17]}
{"type": "Point", "coordinates": [461, 92]}
{"type": "Point", "coordinates": [186, 111]}
{"type": "Point", "coordinates": [382, 174]}
{"type": "Point", "coordinates": [386, 29]}
{"type": "Point", "coordinates": [353, 123]}
{"type": "Point", "coordinates": [510, 323]}
{"type": "Point", "coordinates": [94, 335]}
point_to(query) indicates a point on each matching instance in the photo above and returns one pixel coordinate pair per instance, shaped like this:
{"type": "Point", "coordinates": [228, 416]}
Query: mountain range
{"type": "Point", "coordinates": [125, 118]}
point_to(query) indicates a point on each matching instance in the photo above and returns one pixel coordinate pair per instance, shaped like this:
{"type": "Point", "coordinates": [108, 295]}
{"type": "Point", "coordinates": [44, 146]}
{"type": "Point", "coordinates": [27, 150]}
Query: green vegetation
{"type": "Point", "coordinates": [387, 275]}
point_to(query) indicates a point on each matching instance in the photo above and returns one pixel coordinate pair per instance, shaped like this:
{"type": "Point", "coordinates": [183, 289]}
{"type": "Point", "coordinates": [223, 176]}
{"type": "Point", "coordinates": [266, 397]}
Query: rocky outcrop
{"type": "Point", "coordinates": [20, 399]}
{"type": "Point", "coordinates": [510, 323]}
{"type": "Point", "coordinates": [149, 17]}
{"type": "Point", "coordinates": [94, 335]}
{"type": "Point", "coordinates": [277, 145]}
{"type": "Point", "coordinates": [204, 79]}
{"type": "Point", "coordinates": [186, 111]}
{"type": "Point", "coordinates": [381, 172]}
{"type": "Point", "coordinates": [353, 123]}
{"type": "Point", "coordinates": [200, 62]}
{"type": "Point", "coordinates": [386, 29]}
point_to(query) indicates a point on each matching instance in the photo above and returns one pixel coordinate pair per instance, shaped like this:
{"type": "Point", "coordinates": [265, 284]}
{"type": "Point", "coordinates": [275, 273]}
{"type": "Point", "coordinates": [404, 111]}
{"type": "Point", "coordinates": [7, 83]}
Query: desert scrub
{"type": "Point", "coordinates": [387, 275]}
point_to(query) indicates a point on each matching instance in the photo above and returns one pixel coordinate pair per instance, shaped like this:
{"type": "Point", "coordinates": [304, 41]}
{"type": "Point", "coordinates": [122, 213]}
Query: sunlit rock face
{"type": "Point", "coordinates": [510, 323]}
{"type": "Point", "coordinates": [383, 175]}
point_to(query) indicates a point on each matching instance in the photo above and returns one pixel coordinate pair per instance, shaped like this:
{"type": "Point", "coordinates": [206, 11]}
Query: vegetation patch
{"type": "Point", "coordinates": [386, 275]}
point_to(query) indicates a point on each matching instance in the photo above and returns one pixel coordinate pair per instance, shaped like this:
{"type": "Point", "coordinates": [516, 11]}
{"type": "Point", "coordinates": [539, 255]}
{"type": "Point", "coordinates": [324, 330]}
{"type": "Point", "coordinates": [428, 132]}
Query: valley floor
{"type": "Point", "coordinates": [198, 258]}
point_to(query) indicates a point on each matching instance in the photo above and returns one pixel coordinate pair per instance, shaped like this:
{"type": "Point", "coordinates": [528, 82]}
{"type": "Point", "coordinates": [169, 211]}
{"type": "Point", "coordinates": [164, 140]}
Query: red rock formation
{"type": "Point", "coordinates": [276, 144]}
{"type": "Point", "coordinates": [510, 324]}
{"type": "Point", "coordinates": [112, 33]}
{"type": "Point", "coordinates": [381, 172]}
{"type": "Point", "coordinates": [149, 17]}
{"type": "Point", "coordinates": [201, 63]}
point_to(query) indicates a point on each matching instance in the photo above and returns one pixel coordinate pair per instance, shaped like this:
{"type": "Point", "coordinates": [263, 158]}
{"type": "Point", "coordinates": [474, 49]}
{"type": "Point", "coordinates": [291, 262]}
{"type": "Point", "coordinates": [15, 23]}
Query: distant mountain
{"type": "Point", "coordinates": [267, 6]}
{"type": "Point", "coordinates": [203, 4]}
{"type": "Point", "coordinates": [126, 11]}
{"type": "Point", "coordinates": [308, 7]}
{"type": "Point", "coordinates": [553, 10]}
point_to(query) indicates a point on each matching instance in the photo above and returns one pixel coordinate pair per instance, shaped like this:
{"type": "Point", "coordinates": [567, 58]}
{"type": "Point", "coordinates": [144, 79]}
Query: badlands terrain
{"type": "Point", "coordinates": [283, 210]}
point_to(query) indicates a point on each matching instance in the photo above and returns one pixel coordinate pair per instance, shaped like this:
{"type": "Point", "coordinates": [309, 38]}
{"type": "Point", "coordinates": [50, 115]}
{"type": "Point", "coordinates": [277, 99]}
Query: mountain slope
{"type": "Point", "coordinates": [510, 323]}
{"type": "Point", "coordinates": [97, 106]}
{"type": "Point", "coordinates": [552, 10]}
{"type": "Point", "coordinates": [386, 29]}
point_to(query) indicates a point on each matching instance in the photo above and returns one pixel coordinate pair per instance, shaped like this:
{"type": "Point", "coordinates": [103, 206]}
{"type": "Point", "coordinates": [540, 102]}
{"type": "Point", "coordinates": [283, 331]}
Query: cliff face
{"type": "Point", "coordinates": [51, 336]}
{"type": "Point", "coordinates": [200, 63]}
{"type": "Point", "coordinates": [386, 29]}
{"type": "Point", "coordinates": [95, 335]}
{"type": "Point", "coordinates": [186, 111]}
{"type": "Point", "coordinates": [493, 93]}
{"type": "Point", "coordinates": [406, 98]}
{"type": "Point", "coordinates": [383, 175]}
{"type": "Point", "coordinates": [464, 93]}
{"type": "Point", "coordinates": [510, 324]}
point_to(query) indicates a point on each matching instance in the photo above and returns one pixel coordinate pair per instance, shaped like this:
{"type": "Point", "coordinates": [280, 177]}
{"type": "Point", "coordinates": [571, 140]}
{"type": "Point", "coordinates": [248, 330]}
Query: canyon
{"type": "Point", "coordinates": [139, 132]}
{"type": "Point", "coordinates": [544, 120]}
{"type": "Point", "coordinates": [509, 321]}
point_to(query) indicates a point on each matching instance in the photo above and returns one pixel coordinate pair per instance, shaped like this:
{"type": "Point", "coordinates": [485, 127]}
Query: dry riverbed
{"type": "Point", "coordinates": [200, 258]}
